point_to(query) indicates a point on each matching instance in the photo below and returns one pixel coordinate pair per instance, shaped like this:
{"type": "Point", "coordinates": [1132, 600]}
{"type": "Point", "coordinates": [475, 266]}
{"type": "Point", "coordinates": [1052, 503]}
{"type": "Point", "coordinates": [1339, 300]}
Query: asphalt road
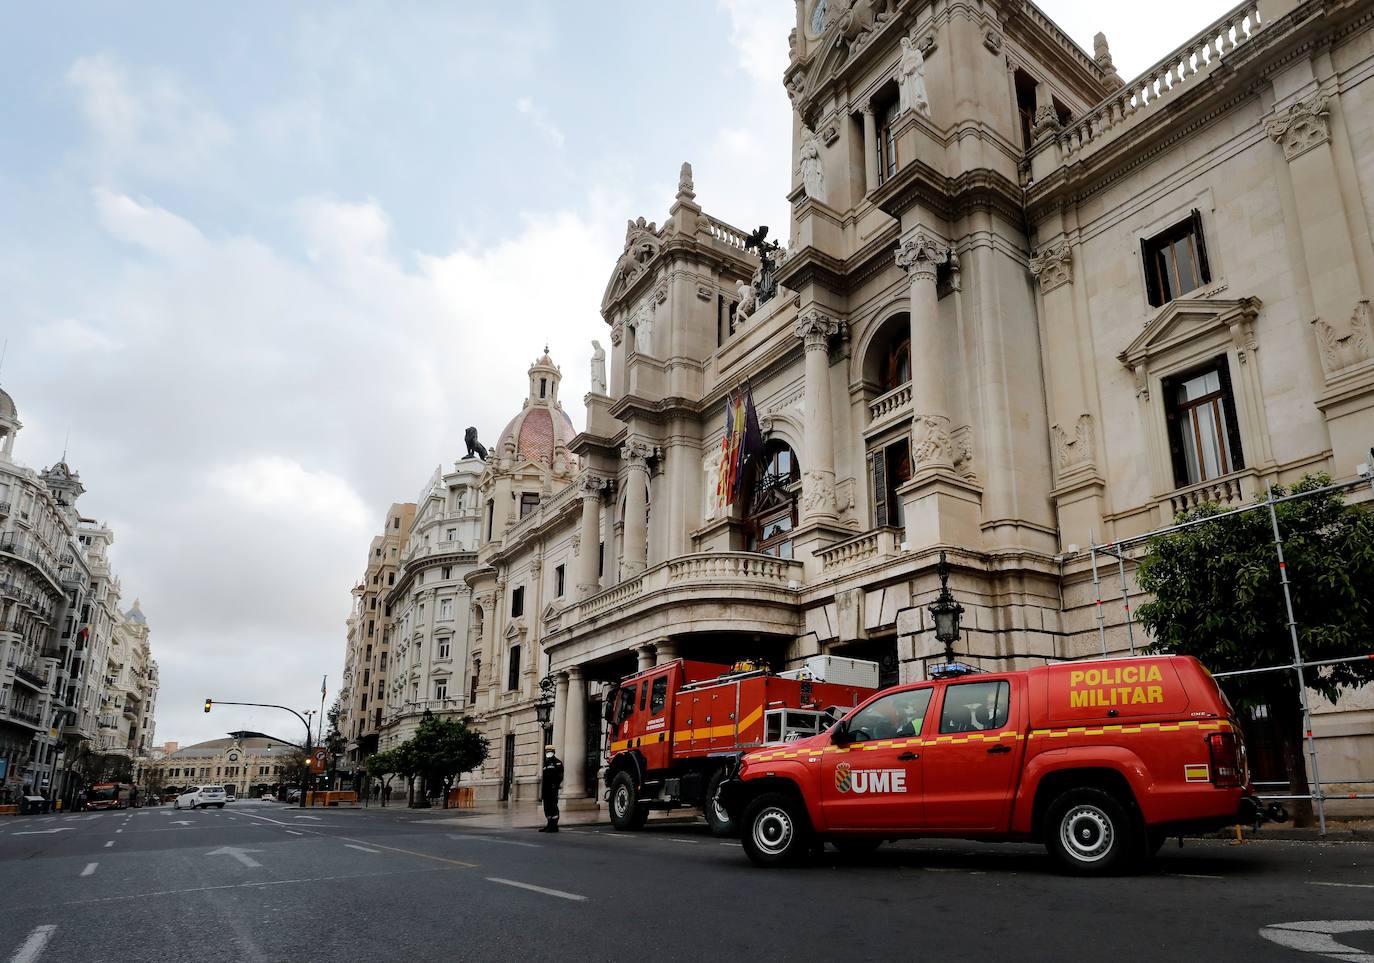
{"type": "Point", "coordinates": [259, 881]}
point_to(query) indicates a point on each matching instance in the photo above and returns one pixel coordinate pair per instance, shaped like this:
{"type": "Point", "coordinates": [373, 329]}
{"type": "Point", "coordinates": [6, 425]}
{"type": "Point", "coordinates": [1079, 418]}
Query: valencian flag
{"type": "Point", "coordinates": [741, 446]}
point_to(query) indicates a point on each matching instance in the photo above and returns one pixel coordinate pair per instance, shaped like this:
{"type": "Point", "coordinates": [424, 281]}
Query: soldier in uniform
{"type": "Point", "coordinates": [551, 780]}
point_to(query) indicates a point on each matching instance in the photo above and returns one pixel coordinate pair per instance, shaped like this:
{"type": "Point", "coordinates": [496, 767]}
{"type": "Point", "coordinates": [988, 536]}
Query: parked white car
{"type": "Point", "coordinates": [199, 797]}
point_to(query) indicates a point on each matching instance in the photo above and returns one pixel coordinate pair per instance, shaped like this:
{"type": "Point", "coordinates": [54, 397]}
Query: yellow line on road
{"type": "Point", "coordinates": [408, 852]}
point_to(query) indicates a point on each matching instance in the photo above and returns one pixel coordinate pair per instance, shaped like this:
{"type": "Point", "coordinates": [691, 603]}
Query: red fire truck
{"type": "Point", "coordinates": [674, 727]}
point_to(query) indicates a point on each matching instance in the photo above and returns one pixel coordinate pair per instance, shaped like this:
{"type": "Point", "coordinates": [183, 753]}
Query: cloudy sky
{"type": "Point", "coordinates": [266, 262]}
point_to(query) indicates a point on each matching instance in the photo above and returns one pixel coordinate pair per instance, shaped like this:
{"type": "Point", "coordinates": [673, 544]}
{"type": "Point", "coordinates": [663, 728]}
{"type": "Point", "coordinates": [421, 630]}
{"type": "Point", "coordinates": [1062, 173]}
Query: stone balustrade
{"type": "Point", "coordinates": [880, 543]}
{"type": "Point", "coordinates": [1228, 491]}
{"type": "Point", "coordinates": [721, 569]}
{"type": "Point", "coordinates": [895, 401]}
{"type": "Point", "coordinates": [1198, 57]}
{"type": "Point", "coordinates": [723, 232]}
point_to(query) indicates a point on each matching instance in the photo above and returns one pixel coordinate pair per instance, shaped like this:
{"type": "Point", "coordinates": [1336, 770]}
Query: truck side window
{"type": "Point", "coordinates": [660, 695]}
{"type": "Point", "coordinates": [892, 717]}
{"type": "Point", "coordinates": [626, 707]}
{"type": "Point", "coordinates": [971, 706]}
{"type": "Point", "coordinates": [643, 695]}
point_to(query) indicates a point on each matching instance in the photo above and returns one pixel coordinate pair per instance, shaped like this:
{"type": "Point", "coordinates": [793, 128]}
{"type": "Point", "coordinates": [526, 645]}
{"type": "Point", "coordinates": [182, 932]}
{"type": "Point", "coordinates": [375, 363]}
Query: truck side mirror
{"type": "Point", "coordinates": [840, 735]}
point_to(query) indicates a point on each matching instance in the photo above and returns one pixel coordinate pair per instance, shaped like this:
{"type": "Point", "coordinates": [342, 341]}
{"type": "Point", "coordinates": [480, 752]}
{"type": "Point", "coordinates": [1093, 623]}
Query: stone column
{"type": "Point", "coordinates": [636, 455]}
{"type": "Point", "coordinates": [573, 751]}
{"type": "Point", "coordinates": [645, 654]}
{"type": "Point", "coordinates": [870, 149]}
{"type": "Point", "coordinates": [815, 328]}
{"type": "Point", "coordinates": [665, 651]}
{"type": "Point", "coordinates": [560, 712]}
{"type": "Point", "coordinates": [932, 447]}
{"type": "Point", "coordinates": [588, 581]}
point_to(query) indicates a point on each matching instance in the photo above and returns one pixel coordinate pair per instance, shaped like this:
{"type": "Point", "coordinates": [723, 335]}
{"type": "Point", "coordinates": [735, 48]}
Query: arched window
{"type": "Point", "coordinates": [772, 511]}
{"type": "Point", "coordinates": [897, 365]}
{"type": "Point", "coordinates": [887, 360]}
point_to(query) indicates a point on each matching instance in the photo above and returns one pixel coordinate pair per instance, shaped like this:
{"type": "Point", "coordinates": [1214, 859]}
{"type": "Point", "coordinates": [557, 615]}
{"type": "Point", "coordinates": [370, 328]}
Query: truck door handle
{"type": "Point", "coordinates": [907, 756]}
{"type": "Point", "coordinates": [999, 750]}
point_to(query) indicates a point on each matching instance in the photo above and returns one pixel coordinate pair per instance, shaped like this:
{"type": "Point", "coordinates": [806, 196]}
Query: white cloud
{"type": "Point", "coordinates": [273, 485]}
{"type": "Point", "coordinates": [73, 336]}
{"type": "Point", "coordinates": [146, 225]}
{"type": "Point", "coordinates": [539, 117]}
{"type": "Point", "coordinates": [758, 32]}
{"type": "Point", "coordinates": [146, 121]}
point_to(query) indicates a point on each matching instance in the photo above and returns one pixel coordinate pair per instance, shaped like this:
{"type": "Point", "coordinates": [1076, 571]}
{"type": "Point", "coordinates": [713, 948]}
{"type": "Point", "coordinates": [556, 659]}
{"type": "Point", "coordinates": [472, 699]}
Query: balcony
{"type": "Point", "coordinates": [890, 406]}
{"type": "Point", "coordinates": [22, 716]}
{"type": "Point", "coordinates": [879, 544]}
{"type": "Point", "coordinates": [31, 676]}
{"type": "Point", "coordinates": [707, 591]}
{"type": "Point", "coordinates": [1228, 491]}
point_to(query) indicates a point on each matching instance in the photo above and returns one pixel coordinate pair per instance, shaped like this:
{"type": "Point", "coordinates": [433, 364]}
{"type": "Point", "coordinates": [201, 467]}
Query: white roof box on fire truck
{"type": "Point", "coordinates": [836, 669]}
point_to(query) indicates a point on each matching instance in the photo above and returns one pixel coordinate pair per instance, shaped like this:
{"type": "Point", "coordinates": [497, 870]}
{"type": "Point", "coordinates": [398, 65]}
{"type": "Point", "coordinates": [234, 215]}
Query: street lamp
{"type": "Point", "coordinates": [543, 706]}
{"type": "Point", "coordinates": [945, 611]}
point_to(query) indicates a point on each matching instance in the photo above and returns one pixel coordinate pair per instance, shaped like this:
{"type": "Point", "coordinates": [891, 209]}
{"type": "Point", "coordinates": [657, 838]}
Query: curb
{"type": "Point", "coordinates": [1300, 835]}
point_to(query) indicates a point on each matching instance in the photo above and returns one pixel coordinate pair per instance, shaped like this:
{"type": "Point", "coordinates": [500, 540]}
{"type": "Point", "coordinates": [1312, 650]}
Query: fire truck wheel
{"type": "Point", "coordinates": [626, 810]}
{"type": "Point", "coordinates": [716, 817]}
{"type": "Point", "coordinates": [774, 830]}
{"type": "Point", "coordinates": [1089, 832]}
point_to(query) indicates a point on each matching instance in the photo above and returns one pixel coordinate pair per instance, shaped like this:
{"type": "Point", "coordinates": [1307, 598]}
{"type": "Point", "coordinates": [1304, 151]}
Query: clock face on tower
{"type": "Point", "coordinates": [818, 17]}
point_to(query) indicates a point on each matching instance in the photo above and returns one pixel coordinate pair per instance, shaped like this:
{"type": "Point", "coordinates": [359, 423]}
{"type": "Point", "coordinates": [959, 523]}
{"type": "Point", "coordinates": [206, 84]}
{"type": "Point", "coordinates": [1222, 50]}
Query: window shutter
{"type": "Point", "coordinates": [1151, 275]}
{"type": "Point", "coordinates": [1228, 409]}
{"type": "Point", "coordinates": [1175, 431]}
{"type": "Point", "coordinates": [877, 468]}
{"type": "Point", "coordinates": [1201, 248]}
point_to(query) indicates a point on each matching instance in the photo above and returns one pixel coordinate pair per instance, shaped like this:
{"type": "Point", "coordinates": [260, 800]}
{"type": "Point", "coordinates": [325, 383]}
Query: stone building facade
{"type": "Point", "coordinates": [247, 764]}
{"type": "Point", "coordinates": [1024, 307]}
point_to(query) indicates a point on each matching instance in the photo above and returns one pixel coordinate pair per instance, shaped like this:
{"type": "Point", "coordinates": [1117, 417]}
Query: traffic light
{"type": "Point", "coordinates": [208, 704]}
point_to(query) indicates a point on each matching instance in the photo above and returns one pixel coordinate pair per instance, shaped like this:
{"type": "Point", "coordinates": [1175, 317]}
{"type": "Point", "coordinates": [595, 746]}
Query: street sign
{"type": "Point", "coordinates": [317, 760]}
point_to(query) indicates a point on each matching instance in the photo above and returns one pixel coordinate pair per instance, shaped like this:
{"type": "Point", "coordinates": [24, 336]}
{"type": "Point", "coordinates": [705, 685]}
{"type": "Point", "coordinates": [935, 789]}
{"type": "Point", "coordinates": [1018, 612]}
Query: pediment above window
{"type": "Point", "coordinates": [1187, 326]}
{"type": "Point", "coordinates": [515, 631]}
{"type": "Point", "coordinates": [550, 612]}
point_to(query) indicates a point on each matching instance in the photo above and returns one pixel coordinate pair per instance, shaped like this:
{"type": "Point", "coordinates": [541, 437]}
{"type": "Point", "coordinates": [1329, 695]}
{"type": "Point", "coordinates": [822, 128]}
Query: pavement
{"type": "Point", "coordinates": [259, 881]}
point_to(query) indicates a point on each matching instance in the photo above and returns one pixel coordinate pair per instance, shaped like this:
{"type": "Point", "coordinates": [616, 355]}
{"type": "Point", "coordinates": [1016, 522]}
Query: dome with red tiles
{"type": "Point", "coordinates": [542, 426]}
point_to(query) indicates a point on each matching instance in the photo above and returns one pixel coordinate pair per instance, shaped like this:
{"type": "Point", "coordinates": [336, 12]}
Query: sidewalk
{"type": "Point", "coordinates": [518, 815]}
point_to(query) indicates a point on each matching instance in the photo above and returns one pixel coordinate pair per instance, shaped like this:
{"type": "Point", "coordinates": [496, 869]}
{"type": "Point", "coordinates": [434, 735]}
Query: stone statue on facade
{"type": "Point", "coordinates": [911, 80]}
{"type": "Point", "coordinates": [764, 284]}
{"type": "Point", "coordinates": [475, 448]}
{"type": "Point", "coordinates": [598, 368]}
{"type": "Point", "coordinates": [812, 169]}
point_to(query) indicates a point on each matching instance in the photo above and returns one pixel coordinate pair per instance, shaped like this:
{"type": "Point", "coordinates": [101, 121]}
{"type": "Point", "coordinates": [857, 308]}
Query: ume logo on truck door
{"type": "Point", "coordinates": [869, 780]}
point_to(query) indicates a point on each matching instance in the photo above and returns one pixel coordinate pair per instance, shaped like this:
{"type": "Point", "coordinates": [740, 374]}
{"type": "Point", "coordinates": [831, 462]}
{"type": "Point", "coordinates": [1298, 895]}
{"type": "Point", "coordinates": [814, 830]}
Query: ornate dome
{"type": "Point", "coordinates": [7, 409]}
{"type": "Point", "coordinates": [542, 426]}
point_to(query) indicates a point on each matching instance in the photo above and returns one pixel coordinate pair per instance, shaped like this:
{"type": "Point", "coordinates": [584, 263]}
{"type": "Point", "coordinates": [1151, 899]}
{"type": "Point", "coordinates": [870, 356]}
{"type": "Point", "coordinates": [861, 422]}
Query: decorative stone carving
{"type": "Point", "coordinates": [1103, 55]}
{"type": "Point", "coordinates": [1046, 122]}
{"type": "Point", "coordinates": [643, 326]}
{"type": "Point", "coordinates": [792, 44]}
{"type": "Point", "coordinates": [796, 84]}
{"type": "Point", "coordinates": [911, 80]}
{"type": "Point", "coordinates": [815, 328]}
{"type": "Point", "coordinates": [1053, 265]}
{"type": "Point", "coordinates": [1349, 344]}
{"type": "Point", "coordinates": [617, 333]}
{"type": "Point", "coordinates": [710, 467]}
{"type": "Point", "coordinates": [921, 256]}
{"type": "Point", "coordinates": [933, 443]}
{"type": "Point", "coordinates": [926, 45]}
{"type": "Point", "coordinates": [636, 454]}
{"type": "Point", "coordinates": [1075, 449]}
{"type": "Point", "coordinates": [1302, 127]}
{"type": "Point", "coordinates": [704, 292]}
{"type": "Point", "coordinates": [598, 368]}
{"type": "Point", "coordinates": [993, 41]}
{"type": "Point", "coordinates": [685, 188]}
{"type": "Point", "coordinates": [592, 486]}
{"type": "Point", "coordinates": [475, 448]}
{"type": "Point", "coordinates": [830, 131]}
{"type": "Point", "coordinates": [744, 293]}
{"type": "Point", "coordinates": [818, 492]}
{"type": "Point", "coordinates": [812, 168]}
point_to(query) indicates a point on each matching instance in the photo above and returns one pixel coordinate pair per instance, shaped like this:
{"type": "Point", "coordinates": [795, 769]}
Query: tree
{"type": "Point", "coordinates": [445, 749]}
{"type": "Point", "coordinates": [110, 767]}
{"type": "Point", "coordinates": [1217, 595]}
{"type": "Point", "coordinates": [334, 741]}
{"type": "Point", "coordinates": [293, 767]}
{"type": "Point", "coordinates": [382, 766]}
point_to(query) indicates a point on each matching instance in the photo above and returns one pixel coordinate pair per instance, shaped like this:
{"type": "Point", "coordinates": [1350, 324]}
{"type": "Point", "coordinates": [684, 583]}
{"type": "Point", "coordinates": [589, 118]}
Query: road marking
{"type": "Point", "coordinates": [240, 854]}
{"type": "Point", "coordinates": [90, 869]}
{"type": "Point", "coordinates": [537, 889]}
{"type": "Point", "coordinates": [33, 946]}
{"type": "Point", "coordinates": [730, 844]}
{"type": "Point", "coordinates": [409, 852]}
{"type": "Point", "coordinates": [119, 830]}
{"type": "Point", "coordinates": [44, 832]}
{"type": "Point", "coordinates": [492, 839]}
{"type": "Point", "coordinates": [1345, 885]}
{"type": "Point", "coordinates": [1193, 876]}
{"type": "Point", "coordinates": [1315, 936]}
{"type": "Point", "coordinates": [316, 818]}
{"type": "Point", "coordinates": [294, 832]}
{"type": "Point", "coordinates": [677, 839]}
{"type": "Point", "coordinates": [109, 844]}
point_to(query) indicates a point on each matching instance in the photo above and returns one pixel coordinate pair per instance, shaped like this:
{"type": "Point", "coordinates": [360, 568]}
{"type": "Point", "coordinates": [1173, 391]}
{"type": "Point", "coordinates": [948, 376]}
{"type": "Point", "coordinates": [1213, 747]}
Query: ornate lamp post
{"type": "Point", "coordinates": [543, 706]}
{"type": "Point", "coordinates": [945, 611]}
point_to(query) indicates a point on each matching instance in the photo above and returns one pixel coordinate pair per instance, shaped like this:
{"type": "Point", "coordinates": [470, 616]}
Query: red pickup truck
{"type": "Point", "coordinates": [1101, 761]}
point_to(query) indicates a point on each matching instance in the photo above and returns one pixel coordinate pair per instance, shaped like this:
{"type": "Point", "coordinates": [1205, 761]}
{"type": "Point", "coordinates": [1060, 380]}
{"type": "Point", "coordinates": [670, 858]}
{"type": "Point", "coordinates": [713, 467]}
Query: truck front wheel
{"type": "Point", "coordinates": [1089, 832]}
{"type": "Point", "coordinates": [626, 810]}
{"type": "Point", "coordinates": [774, 830]}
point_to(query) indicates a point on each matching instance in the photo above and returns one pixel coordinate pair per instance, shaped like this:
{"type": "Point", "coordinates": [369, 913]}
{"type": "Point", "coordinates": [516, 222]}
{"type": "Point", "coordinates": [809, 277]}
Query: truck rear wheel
{"type": "Point", "coordinates": [774, 830]}
{"type": "Point", "coordinates": [716, 817]}
{"type": "Point", "coordinates": [1089, 832]}
{"type": "Point", "coordinates": [627, 812]}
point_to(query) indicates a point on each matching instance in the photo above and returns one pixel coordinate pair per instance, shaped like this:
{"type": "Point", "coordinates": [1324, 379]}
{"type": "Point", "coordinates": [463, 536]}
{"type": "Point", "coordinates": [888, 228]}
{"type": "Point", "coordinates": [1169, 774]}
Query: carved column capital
{"type": "Point", "coordinates": [921, 256]}
{"type": "Point", "coordinates": [617, 333]}
{"type": "Point", "coordinates": [636, 454]}
{"type": "Point", "coordinates": [1301, 127]}
{"type": "Point", "coordinates": [815, 328]}
{"type": "Point", "coordinates": [1052, 265]}
{"type": "Point", "coordinates": [592, 486]}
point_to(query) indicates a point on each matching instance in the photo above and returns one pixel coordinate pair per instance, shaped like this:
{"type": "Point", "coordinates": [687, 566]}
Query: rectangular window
{"type": "Point", "coordinates": [529, 501]}
{"type": "Point", "coordinates": [559, 577]}
{"type": "Point", "coordinates": [452, 536]}
{"type": "Point", "coordinates": [443, 648]}
{"type": "Point", "coordinates": [887, 142]}
{"type": "Point", "coordinates": [441, 689]}
{"type": "Point", "coordinates": [513, 670]}
{"type": "Point", "coordinates": [1204, 436]}
{"type": "Point", "coordinates": [889, 468]}
{"type": "Point", "coordinates": [517, 602]}
{"type": "Point", "coordinates": [472, 682]}
{"type": "Point", "coordinates": [1175, 261]}
{"type": "Point", "coordinates": [1025, 104]}
{"type": "Point", "coordinates": [445, 609]}
{"type": "Point", "coordinates": [643, 695]}
{"type": "Point", "coordinates": [447, 572]}
{"type": "Point", "coordinates": [973, 706]}
{"type": "Point", "coordinates": [543, 387]}
{"type": "Point", "coordinates": [600, 559]}
{"type": "Point", "coordinates": [491, 516]}
{"type": "Point", "coordinates": [659, 697]}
